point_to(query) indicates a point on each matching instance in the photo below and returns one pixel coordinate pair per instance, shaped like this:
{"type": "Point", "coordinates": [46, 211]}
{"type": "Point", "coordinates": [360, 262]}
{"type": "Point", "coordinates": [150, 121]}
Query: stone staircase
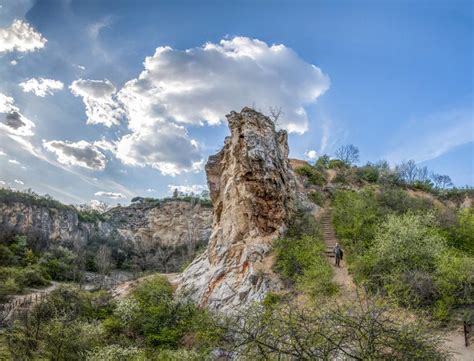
{"type": "Point", "coordinates": [329, 235]}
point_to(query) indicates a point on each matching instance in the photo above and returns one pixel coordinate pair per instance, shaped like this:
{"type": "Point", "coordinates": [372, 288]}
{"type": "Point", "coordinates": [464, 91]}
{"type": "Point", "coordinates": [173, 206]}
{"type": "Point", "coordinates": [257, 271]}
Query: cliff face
{"type": "Point", "coordinates": [253, 194]}
{"type": "Point", "coordinates": [142, 228]}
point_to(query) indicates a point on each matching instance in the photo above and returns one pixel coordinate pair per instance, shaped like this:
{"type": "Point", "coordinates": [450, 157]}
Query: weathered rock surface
{"type": "Point", "coordinates": [172, 230]}
{"type": "Point", "coordinates": [253, 195]}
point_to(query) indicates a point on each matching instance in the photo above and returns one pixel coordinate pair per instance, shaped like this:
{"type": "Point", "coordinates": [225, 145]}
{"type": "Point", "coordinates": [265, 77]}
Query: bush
{"type": "Point", "coordinates": [411, 262]}
{"type": "Point", "coordinates": [314, 176]}
{"type": "Point", "coordinates": [116, 353]}
{"type": "Point", "coordinates": [337, 164]}
{"type": "Point", "coordinates": [317, 198]}
{"type": "Point", "coordinates": [368, 173]}
{"type": "Point", "coordinates": [361, 330]}
{"type": "Point", "coordinates": [300, 259]}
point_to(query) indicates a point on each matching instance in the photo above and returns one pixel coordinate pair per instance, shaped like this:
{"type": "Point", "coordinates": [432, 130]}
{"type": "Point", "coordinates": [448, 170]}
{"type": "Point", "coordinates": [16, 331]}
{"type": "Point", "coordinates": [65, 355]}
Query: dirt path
{"type": "Point", "coordinates": [454, 340]}
{"type": "Point", "coordinates": [18, 302]}
{"type": "Point", "coordinates": [341, 275]}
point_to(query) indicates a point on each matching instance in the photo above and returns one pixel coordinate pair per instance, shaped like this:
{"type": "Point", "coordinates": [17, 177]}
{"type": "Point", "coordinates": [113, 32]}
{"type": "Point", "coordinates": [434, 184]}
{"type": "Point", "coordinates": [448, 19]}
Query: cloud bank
{"type": "Point", "coordinates": [11, 120]}
{"type": "Point", "coordinates": [21, 37]}
{"type": "Point", "coordinates": [99, 98]}
{"type": "Point", "coordinates": [41, 87]}
{"type": "Point", "coordinates": [82, 154]}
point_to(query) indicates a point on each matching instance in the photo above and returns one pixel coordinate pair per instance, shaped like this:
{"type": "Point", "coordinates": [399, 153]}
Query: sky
{"type": "Point", "coordinates": [105, 100]}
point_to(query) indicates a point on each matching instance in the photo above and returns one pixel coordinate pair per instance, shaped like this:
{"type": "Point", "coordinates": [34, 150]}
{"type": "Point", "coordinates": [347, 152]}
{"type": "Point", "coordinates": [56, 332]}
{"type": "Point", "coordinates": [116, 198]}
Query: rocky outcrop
{"type": "Point", "coordinates": [253, 195]}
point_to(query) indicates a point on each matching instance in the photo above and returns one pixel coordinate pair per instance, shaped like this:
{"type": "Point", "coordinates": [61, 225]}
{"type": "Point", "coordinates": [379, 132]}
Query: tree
{"type": "Point", "coordinates": [175, 193]}
{"type": "Point", "coordinates": [362, 330]}
{"type": "Point", "coordinates": [103, 261]}
{"type": "Point", "coordinates": [441, 181]}
{"type": "Point", "coordinates": [323, 162]}
{"type": "Point", "coordinates": [408, 171]}
{"type": "Point", "coordinates": [275, 114]}
{"type": "Point", "coordinates": [348, 154]}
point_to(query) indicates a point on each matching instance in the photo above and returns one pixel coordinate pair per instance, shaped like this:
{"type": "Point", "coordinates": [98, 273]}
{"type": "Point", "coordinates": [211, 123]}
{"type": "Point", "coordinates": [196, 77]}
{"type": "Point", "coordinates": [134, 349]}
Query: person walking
{"type": "Point", "coordinates": [338, 254]}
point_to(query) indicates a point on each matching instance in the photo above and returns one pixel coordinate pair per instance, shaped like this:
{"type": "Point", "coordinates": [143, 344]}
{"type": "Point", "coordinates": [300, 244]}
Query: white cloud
{"type": "Point", "coordinates": [99, 97]}
{"type": "Point", "coordinates": [2, 153]}
{"type": "Point", "coordinates": [201, 85]}
{"type": "Point", "coordinates": [187, 189]}
{"type": "Point", "coordinates": [311, 154]}
{"type": "Point", "coordinates": [14, 62]}
{"type": "Point", "coordinates": [111, 195]}
{"type": "Point", "coordinates": [165, 147]}
{"type": "Point", "coordinates": [2, 183]}
{"type": "Point", "coordinates": [17, 181]}
{"type": "Point", "coordinates": [82, 154]}
{"type": "Point", "coordinates": [20, 36]}
{"type": "Point", "coordinates": [13, 161]}
{"type": "Point", "coordinates": [151, 190]}
{"type": "Point", "coordinates": [82, 68]}
{"type": "Point", "coordinates": [41, 86]}
{"type": "Point", "coordinates": [13, 121]}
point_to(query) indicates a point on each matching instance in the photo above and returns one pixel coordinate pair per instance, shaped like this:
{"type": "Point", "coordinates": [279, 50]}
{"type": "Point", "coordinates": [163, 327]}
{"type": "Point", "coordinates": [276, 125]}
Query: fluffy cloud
{"type": "Point", "coordinates": [201, 85]}
{"type": "Point", "coordinates": [100, 101]}
{"type": "Point", "coordinates": [19, 182]}
{"type": "Point", "coordinates": [311, 154]}
{"type": "Point", "coordinates": [20, 36]}
{"type": "Point", "coordinates": [165, 147]}
{"type": "Point", "coordinates": [187, 189]}
{"type": "Point", "coordinates": [111, 195]}
{"type": "Point", "coordinates": [13, 121]}
{"type": "Point", "coordinates": [82, 154]}
{"type": "Point", "coordinates": [41, 86]}
{"type": "Point", "coordinates": [14, 161]}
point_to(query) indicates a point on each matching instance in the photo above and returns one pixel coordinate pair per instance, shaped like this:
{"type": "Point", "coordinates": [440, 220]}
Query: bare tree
{"type": "Point", "coordinates": [103, 261]}
{"type": "Point", "coordinates": [363, 330]}
{"type": "Point", "coordinates": [408, 171]}
{"type": "Point", "coordinates": [348, 154]}
{"type": "Point", "coordinates": [275, 114]}
{"type": "Point", "coordinates": [422, 174]}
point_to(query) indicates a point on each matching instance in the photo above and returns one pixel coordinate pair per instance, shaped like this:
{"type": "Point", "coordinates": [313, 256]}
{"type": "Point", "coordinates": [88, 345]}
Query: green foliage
{"type": "Point", "coordinates": [314, 176]}
{"type": "Point", "coordinates": [8, 196]}
{"type": "Point", "coordinates": [355, 217]}
{"type": "Point", "coordinates": [300, 260]}
{"type": "Point", "coordinates": [368, 173]}
{"type": "Point", "coordinates": [355, 331]}
{"type": "Point", "coordinates": [411, 262]}
{"type": "Point", "coordinates": [151, 313]}
{"type": "Point", "coordinates": [317, 198]}
{"type": "Point", "coordinates": [337, 164]}
{"type": "Point", "coordinates": [91, 216]}
{"type": "Point", "coordinates": [323, 162]}
{"type": "Point", "coordinates": [460, 232]}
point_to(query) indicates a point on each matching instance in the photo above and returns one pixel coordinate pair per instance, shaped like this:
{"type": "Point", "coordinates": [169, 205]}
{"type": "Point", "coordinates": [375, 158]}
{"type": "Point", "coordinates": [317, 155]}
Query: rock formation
{"type": "Point", "coordinates": [177, 227]}
{"type": "Point", "coordinates": [252, 191]}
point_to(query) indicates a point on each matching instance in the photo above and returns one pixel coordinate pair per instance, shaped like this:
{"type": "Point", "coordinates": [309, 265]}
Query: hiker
{"type": "Point", "coordinates": [338, 254]}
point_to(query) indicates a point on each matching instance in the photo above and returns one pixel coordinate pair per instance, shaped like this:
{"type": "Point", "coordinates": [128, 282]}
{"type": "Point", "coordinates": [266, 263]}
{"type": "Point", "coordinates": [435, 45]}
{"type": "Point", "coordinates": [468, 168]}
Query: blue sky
{"type": "Point", "coordinates": [393, 77]}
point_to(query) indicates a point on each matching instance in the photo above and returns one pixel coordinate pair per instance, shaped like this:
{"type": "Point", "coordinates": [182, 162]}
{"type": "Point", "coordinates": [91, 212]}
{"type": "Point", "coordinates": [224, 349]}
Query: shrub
{"type": "Point", "coordinates": [314, 176]}
{"type": "Point", "coordinates": [337, 164]}
{"type": "Point", "coordinates": [317, 198]}
{"type": "Point", "coordinates": [300, 259]}
{"type": "Point", "coordinates": [116, 353]}
{"type": "Point", "coordinates": [368, 173]}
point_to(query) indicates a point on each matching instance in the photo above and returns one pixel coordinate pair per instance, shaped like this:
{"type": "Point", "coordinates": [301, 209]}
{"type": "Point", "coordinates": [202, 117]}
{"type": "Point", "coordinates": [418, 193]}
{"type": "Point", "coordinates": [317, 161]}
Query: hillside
{"type": "Point", "coordinates": [265, 287]}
